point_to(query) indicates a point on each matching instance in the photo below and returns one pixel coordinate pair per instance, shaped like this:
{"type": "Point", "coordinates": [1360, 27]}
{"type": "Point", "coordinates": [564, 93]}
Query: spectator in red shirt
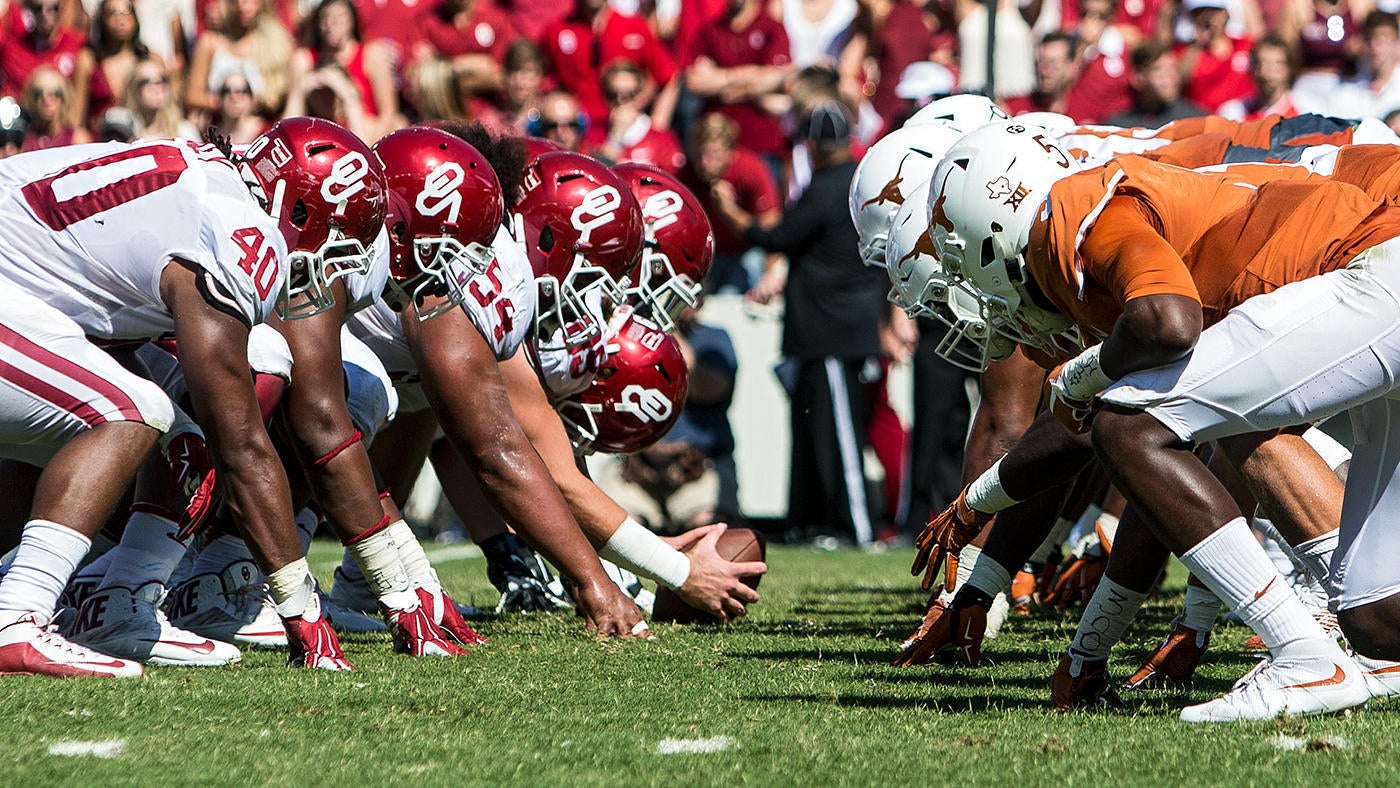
{"type": "Point", "coordinates": [900, 36]}
{"type": "Point", "coordinates": [591, 39]}
{"type": "Point", "coordinates": [34, 38]}
{"type": "Point", "coordinates": [474, 35]}
{"type": "Point", "coordinates": [332, 41]}
{"type": "Point", "coordinates": [1102, 87]}
{"type": "Point", "coordinates": [112, 54]}
{"type": "Point", "coordinates": [400, 24]}
{"type": "Point", "coordinates": [1056, 69]}
{"type": "Point", "coordinates": [1272, 68]}
{"type": "Point", "coordinates": [1215, 64]}
{"type": "Point", "coordinates": [632, 135]}
{"type": "Point", "coordinates": [741, 64]}
{"type": "Point", "coordinates": [717, 162]}
{"type": "Point", "coordinates": [531, 17]}
{"type": "Point", "coordinates": [46, 97]}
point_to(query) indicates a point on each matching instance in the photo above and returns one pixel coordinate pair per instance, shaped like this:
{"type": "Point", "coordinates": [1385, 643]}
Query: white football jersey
{"type": "Point", "coordinates": [89, 229]}
{"type": "Point", "coordinates": [500, 303]}
{"type": "Point", "coordinates": [362, 290]}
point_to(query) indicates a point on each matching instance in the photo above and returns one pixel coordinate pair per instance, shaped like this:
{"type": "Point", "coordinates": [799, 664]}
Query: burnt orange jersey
{"type": "Point", "coordinates": [1135, 228]}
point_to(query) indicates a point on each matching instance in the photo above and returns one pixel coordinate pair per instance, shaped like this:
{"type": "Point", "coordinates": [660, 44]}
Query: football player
{"type": "Point", "coordinates": [79, 257]}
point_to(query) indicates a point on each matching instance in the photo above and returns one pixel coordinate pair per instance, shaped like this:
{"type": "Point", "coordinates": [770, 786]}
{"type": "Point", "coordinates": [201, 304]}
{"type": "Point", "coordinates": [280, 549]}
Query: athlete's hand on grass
{"type": "Point", "coordinates": [609, 612]}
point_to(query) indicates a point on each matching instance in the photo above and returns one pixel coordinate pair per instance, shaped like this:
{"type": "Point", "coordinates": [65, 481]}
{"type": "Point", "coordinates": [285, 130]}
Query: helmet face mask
{"type": "Point", "coordinates": [985, 195]}
{"type": "Point", "coordinates": [327, 191]}
{"type": "Point", "coordinates": [679, 245]}
{"type": "Point", "coordinates": [446, 207]}
{"type": "Point", "coordinates": [583, 232]}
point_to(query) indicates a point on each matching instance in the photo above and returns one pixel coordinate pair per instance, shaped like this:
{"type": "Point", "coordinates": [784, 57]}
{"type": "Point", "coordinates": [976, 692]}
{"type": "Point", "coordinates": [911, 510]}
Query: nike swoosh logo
{"type": "Point", "coordinates": [1378, 671]}
{"type": "Point", "coordinates": [1336, 678]}
{"type": "Point", "coordinates": [114, 665]}
{"type": "Point", "coordinates": [1265, 589]}
{"type": "Point", "coordinates": [206, 647]}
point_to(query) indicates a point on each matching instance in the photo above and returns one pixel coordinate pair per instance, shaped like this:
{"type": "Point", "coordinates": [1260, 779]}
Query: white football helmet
{"type": "Point", "coordinates": [922, 290]}
{"type": "Point", "coordinates": [965, 112]}
{"type": "Point", "coordinates": [985, 195]}
{"type": "Point", "coordinates": [1053, 121]}
{"type": "Point", "coordinates": [887, 176]}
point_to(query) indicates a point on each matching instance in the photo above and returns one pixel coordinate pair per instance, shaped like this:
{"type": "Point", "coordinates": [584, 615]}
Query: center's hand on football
{"type": "Point", "coordinates": [714, 585]}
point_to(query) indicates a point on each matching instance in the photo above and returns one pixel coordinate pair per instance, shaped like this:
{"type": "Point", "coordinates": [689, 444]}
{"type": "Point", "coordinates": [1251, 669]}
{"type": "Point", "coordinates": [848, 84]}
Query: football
{"type": "Point", "coordinates": [735, 544]}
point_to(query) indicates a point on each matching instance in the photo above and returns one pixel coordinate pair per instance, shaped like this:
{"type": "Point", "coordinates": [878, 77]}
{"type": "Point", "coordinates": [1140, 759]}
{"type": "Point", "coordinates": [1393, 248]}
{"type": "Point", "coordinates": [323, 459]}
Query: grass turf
{"type": "Point", "coordinates": [802, 691]}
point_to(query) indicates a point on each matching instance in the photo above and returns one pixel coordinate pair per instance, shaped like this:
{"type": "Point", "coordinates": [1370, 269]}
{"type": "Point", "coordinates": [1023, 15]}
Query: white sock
{"type": "Point", "coordinates": [1235, 567]}
{"type": "Point", "coordinates": [1201, 609]}
{"type": "Point", "coordinates": [307, 521]}
{"type": "Point", "coordinates": [378, 557]}
{"type": "Point", "coordinates": [293, 590]}
{"type": "Point", "coordinates": [1105, 619]}
{"type": "Point", "coordinates": [1316, 555]}
{"type": "Point", "coordinates": [415, 561]}
{"type": "Point", "coordinates": [148, 552]}
{"type": "Point", "coordinates": [219, 554]}
{"type": "Point", "coordinates": [989, 577]}
{"type": "Point", "coordinates": [46, 558]}
{"type": "Point", "coordinates": [967, 561]}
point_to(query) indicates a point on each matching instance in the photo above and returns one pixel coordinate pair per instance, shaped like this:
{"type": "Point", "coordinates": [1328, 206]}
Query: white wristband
{"type": "Point", "coordinates": [1082, 377]}
{"type": "Point", "coordinates": [986, 494]}
{"type": "Point", "coordinates": [635, 548]}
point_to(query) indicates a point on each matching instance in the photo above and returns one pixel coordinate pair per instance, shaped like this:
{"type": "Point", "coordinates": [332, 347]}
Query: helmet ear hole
{"type": "Point", "coordinates": [300, 213]}
{"type": "Point", "coordinates": [547, 239]}
{"type": "Point", "coordinates": [988, 252]}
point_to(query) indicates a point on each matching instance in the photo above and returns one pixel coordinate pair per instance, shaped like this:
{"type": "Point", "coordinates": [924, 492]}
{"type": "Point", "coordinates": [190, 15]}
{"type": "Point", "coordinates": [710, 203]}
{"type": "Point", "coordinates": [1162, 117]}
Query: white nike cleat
{"type": "Point", "coordinates": [348, 620]}
{"type": "Point", "coordinates": [228, 606]}
{"type": "Point", "coordinates": [30, 648]}
{"type": "Point", "coordinates": [1296, 687]}
{"type": "Point", "coordinates": [131, 625]}
{"type": "Point", "coordinates": [1382, 676]}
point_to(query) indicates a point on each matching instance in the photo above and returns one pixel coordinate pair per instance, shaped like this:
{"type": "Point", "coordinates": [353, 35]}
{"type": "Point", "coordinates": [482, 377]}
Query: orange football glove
{"type": "Point", "coordinates": [943, 537]}
{"type": "Point", "coordinates": [960, 625]}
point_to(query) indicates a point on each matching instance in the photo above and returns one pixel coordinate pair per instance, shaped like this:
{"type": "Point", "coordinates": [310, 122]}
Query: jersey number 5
{"type": "Point", "coordinates": [88, 188]}
{"type": "Point", "coordinates": [505, 310]}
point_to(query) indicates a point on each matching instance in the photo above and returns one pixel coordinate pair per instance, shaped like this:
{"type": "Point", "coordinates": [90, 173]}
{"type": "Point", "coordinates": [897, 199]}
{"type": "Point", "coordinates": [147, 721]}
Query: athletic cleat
{"type": "Point", "coordinates": [525, 582]}
{"type": "Point", "coordinates": [1324, 617]}
{"type": "Point", "coordinates": [415, 633]}
{"type": "Point", "coordinates": [952, 633]}
{"type": "Point", "coordinates": [1174, 662]}
{"type": "Point", "coordinates": [228, 607]}
{"type": "Point", "coordinates": [996, 616]}
{"type": "Point", "coordinates": [131, 626]}
{"type": "Point", "coordinates": [29, 648]}
{"type": "Point", "coordinates": [1083, 683]}
{"type": "Point", "coordinates": [353, 594]}
{"type": "Point", "coordinates": [313, 644]}
{"type": "Point", "coordinates": [1382, 677]}
{"type": "Point", "coordinates": [443, 611]}
{"type": "Point", "coordinates": [1298, 688]}
{"type": "Point", "coordinates": [346, 620]}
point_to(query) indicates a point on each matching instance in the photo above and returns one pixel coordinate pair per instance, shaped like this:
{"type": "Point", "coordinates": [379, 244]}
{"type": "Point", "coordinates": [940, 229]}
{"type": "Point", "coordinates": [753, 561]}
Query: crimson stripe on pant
{"type": "Point", "coordinates": [56, 396]}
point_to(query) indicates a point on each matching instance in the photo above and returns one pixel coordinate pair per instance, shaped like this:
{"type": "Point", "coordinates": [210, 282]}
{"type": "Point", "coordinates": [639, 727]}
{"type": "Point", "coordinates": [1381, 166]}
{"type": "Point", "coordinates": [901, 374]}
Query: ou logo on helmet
{"type": "Point", "coordinates": [599, 207]}
{"type": "Point", "coordinates": [647, 404]}
{"type": "Point", "coordinates": [662, 209]}
{"type": "Point", "coordinates": [346, 178]}
{"type": "Point", "coordinates": [440, 191]}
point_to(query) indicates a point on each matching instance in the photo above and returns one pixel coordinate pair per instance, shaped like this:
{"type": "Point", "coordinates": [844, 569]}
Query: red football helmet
{"type": "Point", "coordinates": [637, 395]}
{"type": "Point", "coordinates": [679, 244]}
{"type": "Point", "coordinates": [536, 147]}
{"type": "Point", "coordinates": [326, 189]}
{"type": "Point", "coordinates": [582, 230]}
{"type": "Point", "coordinates": [453, 209]}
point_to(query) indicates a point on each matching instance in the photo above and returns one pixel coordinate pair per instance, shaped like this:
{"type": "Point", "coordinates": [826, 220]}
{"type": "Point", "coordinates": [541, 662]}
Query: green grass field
{"type": "Point", "coordinates": [802, 691]}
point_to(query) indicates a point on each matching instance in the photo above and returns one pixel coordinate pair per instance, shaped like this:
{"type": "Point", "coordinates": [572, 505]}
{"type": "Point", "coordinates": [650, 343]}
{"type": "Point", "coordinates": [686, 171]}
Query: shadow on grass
{"type": "Point", "coordinates": [953, 703]}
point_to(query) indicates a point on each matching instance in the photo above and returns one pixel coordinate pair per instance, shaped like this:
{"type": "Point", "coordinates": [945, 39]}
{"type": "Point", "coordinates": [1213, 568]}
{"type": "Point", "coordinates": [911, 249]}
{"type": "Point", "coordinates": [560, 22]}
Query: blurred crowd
{"type": "Point", "coordinates": [719, 92]}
